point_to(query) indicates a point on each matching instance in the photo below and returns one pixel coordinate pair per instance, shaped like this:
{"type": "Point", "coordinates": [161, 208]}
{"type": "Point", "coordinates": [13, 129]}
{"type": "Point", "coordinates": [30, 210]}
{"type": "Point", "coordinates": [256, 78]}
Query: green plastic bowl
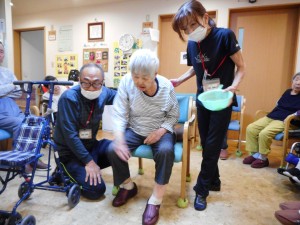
{"type": "Point", "coordinates": [215, 100]}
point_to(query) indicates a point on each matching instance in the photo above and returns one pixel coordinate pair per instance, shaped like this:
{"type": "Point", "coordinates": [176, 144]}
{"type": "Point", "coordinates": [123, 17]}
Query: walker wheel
{"type": "Point", "coordinates": [13, 220]}
{"type": "Point", "coordinates": [3, 218]}
{"type": "Point", "coordinates": [23, 189]}
{"type": "Point", "coordinates": [74, 196]}
{"type": "Point", "coordinates": [28, 220]}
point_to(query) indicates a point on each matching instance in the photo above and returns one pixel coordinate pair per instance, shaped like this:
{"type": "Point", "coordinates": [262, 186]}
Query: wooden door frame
{"type": "Point", "coordinates": [17, 49]}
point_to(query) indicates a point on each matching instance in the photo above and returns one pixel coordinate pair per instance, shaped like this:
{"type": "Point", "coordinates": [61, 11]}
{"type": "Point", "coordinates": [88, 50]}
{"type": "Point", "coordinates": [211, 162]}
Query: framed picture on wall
{"type": "Point", "coordinates": [96, 31]}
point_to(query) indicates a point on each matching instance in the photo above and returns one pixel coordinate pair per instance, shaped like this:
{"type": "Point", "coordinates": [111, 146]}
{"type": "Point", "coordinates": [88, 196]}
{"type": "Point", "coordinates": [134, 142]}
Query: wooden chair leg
{"type": "Point", "coordinates": [238, 152]}
{"type": "Point", "coordinates": [3, 145]}
{"type": "Point", "coordinates": [188, 175]}
{"type": "Point", "coordinates": [9, 144]}
{"type": "Point", "coordinates": [284, 150]}
{"type": "Point", "coordinates": [141, 170]}
{"type": "Point", "coordinates": [6, 144]}
{"type": "Point", "coordinates": [183, 201]}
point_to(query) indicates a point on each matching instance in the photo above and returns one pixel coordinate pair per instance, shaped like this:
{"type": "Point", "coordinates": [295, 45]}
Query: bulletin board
{"type": "Point", "coordinates": [96, 55]}
{"type": "Point", "coordinates": [121, 61]}
{"type": "Point", "coordinates": [64, 63]}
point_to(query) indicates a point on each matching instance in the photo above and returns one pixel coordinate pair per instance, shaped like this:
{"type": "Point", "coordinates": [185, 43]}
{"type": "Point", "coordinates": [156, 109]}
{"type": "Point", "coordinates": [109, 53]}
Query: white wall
{"type": "Point", "coordinates": [119, 18]}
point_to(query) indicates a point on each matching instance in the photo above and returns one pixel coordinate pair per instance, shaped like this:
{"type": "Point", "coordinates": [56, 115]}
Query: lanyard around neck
{"type": "Point", "coordinates": [90, 115]}
{"type": "Point", "coordinates": [203, 65]}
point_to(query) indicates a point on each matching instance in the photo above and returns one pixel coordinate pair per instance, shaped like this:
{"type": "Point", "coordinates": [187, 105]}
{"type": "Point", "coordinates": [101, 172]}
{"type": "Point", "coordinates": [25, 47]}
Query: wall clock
{"type": "Point", "coordinates": [126, 42]}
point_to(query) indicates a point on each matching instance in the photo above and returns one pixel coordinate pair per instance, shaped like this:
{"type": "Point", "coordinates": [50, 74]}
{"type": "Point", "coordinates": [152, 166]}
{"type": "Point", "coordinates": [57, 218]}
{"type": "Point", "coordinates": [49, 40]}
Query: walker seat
{"type": "Point", "coordinates": [34, 132]}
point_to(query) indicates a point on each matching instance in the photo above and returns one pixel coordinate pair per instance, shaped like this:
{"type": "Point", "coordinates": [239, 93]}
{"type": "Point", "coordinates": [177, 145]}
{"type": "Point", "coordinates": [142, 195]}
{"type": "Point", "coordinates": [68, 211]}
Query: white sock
{"type": "Point", "coordinates": [256, 155]}
{"type": "Point", "coordinates": [154, 201]}
{"type": "Point", "coordinates": [127, 186]}
{"type": "Point", "coordinates": [262, 157]}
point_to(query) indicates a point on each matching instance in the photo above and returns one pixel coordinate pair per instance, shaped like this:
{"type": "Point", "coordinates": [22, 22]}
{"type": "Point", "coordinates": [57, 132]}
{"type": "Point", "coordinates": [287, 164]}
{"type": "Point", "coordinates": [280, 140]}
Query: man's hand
{"type": "Point", "coordinates": [155, 136]}
{"type": "Point", "coordinates": [93, 172]}
{"type": "Point", "coordinates": [122, 151]}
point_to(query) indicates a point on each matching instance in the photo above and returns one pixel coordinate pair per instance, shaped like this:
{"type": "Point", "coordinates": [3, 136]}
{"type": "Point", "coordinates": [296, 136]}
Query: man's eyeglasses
{"type": "Point", "coordinates": [88, 85]}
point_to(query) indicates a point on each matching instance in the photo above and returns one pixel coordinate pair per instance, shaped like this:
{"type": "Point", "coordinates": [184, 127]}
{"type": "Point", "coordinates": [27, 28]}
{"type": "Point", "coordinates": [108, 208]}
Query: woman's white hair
{"type": "Point", "coordinates": [144, 62]}
{"type": "Point", "coordinates": [297, 74]}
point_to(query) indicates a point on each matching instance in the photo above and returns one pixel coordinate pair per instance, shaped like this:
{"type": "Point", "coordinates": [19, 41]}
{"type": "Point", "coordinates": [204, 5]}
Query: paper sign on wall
{"type": "Point", "coordinates": [52, 35]}
{"type": "Point", "coordinates": [154, 34]}
{"type": "Point", "coordinates": [146, 27]}
{"type": "Point", "coordinates": [183, 58]}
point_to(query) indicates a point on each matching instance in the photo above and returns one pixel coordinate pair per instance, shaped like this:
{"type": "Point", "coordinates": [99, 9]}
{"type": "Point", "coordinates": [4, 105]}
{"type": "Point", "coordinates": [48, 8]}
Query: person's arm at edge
{"type": "Point", "coordinates": [121, 113]}
{"type": "Point", "coordinates": [9, 89]}
{"type": "Point", "coordinates": [237, 58]}
{"type": "Point", "coordinates": [184, 77]}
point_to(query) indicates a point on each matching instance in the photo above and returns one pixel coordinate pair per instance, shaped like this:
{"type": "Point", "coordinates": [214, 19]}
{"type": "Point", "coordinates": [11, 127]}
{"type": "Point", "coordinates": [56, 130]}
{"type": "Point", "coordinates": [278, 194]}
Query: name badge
{"type": "Point", "coordinates": [85, 133]}
{"type": "Point", "coordinates": [210, 84]}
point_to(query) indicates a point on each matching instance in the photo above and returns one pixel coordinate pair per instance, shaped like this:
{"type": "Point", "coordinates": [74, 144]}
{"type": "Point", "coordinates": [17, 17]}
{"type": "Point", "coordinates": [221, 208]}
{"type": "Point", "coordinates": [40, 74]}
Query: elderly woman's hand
{"type": "Point", "coordinates": [155, 136]}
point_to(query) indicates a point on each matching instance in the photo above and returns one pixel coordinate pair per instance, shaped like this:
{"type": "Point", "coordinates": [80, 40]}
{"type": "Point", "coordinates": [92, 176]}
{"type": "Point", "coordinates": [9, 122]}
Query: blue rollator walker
{"type": "Point", "coordinates": [291, 159]}
{"type": "Point", "coordinates": [35, 131]}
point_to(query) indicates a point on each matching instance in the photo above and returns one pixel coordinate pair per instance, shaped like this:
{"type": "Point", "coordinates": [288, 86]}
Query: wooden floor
{"type": "Point", "coordinates": [248, 196]}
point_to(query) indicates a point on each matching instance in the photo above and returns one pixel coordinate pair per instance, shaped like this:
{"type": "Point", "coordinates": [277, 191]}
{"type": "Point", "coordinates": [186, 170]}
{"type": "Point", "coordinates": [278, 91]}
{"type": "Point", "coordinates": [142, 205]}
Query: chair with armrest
{"type": "Point", "coordinates": [236, 122]}
{"type": "Point", "coordinates": [181, 148]}
{"type": "Point", "coordinates": [287, 136]}
{"type": "Point", "coordinates": [194, 127]}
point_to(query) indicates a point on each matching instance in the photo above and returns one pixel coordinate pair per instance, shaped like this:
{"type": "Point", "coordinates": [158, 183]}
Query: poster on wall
{"type": "Point", "coordinates": [96, 55]}
{"type": "Point", "coordinates": [121, 61]}
{"type": "Point", "coordinates": [65, 63]}
{"type": "Point", "coordinates": [65, 38]}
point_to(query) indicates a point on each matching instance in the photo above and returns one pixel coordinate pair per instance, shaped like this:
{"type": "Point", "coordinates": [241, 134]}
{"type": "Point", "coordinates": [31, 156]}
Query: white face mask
{"type": "Point", "coordinates": [91, 94]}
{"type": "Point", "coordinates": [198, 34]}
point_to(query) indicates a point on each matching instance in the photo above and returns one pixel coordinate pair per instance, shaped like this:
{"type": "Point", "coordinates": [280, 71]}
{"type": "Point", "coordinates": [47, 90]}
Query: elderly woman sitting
{"type": "Point", "coordinates": [260, 133]}
{"type": "Point", "coordinates": [145, 112]}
